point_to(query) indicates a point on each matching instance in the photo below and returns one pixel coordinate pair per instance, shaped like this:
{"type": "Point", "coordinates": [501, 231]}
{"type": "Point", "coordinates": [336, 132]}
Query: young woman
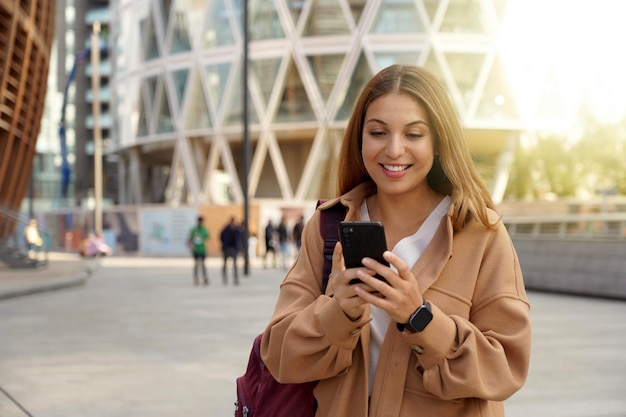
{"type": "Point", "coordinates": [448, 333]}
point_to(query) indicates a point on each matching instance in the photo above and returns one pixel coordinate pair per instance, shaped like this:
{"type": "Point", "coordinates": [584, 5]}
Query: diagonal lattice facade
{"type": "Point", "coordinates": [178, 84]}
{"type": "Point", "coordinates": [26, 32]}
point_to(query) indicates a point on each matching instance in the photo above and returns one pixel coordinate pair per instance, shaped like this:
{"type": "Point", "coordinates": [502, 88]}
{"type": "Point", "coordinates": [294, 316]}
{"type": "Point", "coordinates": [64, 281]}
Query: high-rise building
{"type": "Point", "coordinates": [64, 168]}
{"type": "Point", "coordinates": [92, 12]}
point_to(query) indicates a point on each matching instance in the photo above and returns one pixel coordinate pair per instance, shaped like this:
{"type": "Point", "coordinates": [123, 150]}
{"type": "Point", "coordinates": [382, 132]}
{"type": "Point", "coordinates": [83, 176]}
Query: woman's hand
{"type": "Point", "coordinates": [400, 296]}
{"type": "Point", "coordinates": [344, 292]}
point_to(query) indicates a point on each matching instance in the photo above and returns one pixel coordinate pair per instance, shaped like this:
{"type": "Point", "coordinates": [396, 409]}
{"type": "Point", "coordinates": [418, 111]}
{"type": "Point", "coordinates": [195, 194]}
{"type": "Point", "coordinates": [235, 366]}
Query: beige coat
{"type": "Point", "coordinates": [472, 356]}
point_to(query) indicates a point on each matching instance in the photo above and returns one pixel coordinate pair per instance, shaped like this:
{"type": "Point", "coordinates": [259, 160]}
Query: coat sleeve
{"type": "Point", "coordinates": [485, 353]}
{"type": "Point", "coordinates": [309, 337]}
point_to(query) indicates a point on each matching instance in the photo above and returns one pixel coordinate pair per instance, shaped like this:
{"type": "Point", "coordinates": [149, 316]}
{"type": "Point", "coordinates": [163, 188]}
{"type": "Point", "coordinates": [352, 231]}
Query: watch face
{"type": "Point", "coordinates": [420, 319]}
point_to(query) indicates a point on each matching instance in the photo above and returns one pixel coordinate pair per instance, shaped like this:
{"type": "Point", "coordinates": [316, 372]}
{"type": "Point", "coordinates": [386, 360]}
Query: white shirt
{"type": "Point", "coordinates": [409, 249]}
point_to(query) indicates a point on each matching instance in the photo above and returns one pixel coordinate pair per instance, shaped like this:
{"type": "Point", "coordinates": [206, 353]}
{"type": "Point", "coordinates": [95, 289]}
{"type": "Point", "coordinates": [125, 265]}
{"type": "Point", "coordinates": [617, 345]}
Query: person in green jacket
{"type": "Point", "coordinates": [197, 242]}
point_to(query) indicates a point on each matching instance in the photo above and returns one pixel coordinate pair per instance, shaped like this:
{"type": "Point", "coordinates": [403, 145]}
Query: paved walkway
{"type": "Point", "coordinates": [134, 337]}
{"type": "Point", "coordinates": [63, 270]}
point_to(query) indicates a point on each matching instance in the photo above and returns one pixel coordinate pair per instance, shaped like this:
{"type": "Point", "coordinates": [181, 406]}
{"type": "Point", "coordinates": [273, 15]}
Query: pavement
{"type": "Point", "coordinates": [62, 270]}
{"type": "Point", "coordinates": [132, 336]}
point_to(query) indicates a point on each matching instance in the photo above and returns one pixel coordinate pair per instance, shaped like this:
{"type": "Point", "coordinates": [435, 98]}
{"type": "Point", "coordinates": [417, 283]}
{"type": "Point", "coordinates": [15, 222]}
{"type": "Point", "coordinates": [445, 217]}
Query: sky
{"type": "Point", "coordinates": [574, 47]}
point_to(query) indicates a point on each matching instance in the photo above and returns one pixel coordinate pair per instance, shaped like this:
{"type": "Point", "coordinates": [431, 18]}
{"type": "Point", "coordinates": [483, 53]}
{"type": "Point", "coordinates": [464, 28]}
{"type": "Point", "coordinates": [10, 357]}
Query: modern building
{"type": "Point", "coordinates": [178, 100]}
{"type": "Point", "coordinates": [26, 32]}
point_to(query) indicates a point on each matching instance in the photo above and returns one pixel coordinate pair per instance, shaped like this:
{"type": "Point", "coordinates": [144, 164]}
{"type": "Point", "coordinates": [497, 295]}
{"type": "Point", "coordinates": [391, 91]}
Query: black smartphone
{"type": "Point", "coordinates": [360, 240]}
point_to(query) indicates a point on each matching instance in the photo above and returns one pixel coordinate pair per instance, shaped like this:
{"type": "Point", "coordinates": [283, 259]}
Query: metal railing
{"type": "Point", "coordinates": [573, 226]}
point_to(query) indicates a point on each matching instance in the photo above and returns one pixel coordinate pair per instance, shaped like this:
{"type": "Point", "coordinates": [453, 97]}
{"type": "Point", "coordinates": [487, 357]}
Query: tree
{"type": "Point", "coordinates": [557, 166]}
{"type": "Point", "coordinates": [602, 151]}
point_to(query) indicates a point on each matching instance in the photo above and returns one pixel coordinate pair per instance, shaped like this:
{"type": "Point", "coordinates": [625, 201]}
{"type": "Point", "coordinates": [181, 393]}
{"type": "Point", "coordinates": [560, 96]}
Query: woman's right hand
{"type": "Point", "coordinates": [339, 280]}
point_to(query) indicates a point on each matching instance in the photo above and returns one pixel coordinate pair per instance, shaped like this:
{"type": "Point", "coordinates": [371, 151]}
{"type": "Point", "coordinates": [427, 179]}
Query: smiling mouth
{"type": "Point", "coordinates": [395, 168]}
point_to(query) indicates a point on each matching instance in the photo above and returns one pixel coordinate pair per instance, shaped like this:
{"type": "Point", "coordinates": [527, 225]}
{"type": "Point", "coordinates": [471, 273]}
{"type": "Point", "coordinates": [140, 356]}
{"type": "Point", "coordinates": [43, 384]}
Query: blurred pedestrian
{"type": "Point", "coordinates": [283, 242]}
{"type": "Point", "coordinates": [297, 232]}
{"type": "Point", "coordinates": [197, 242]}
{"type": "Point", "coordinates": [232, 243]}
{"type": "Point", "coordinates": [270, 243]}
{"type": "Point", "coordinates": [33, 239]}
{"type": "Point", "coordinates": [96, 246]}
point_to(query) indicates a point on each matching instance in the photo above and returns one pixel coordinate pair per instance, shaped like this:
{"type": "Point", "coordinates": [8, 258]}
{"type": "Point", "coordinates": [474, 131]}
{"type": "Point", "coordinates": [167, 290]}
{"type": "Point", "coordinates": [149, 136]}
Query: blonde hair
{"type": "Point", "coordinates": [453, 172]}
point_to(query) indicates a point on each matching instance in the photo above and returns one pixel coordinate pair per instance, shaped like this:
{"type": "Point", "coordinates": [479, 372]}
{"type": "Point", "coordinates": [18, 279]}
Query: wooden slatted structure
{"type": "Point", "coordinates": [26, 33]}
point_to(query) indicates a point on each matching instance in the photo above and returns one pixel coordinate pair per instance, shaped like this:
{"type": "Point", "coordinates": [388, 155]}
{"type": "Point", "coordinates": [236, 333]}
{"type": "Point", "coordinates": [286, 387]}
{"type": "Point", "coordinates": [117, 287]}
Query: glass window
{"type": "Point", "coordinates": [216, 79]}
{"type": "Point", "coordinates": [397, 16]}
{"type": "Point", "coordinates": [263, 21]}
{"type": "Point", "coordinates": [198, 111]}
{"type": "Point", "coordinates": [217, 31]}
{"type": "Point", "coordinates": [384, 59]}
{"type": "Point", "coordinates": [165, 11]}
{"type": "Point", "coordinates": [150, 47]}
{"type": "Point", "coordinates": [234, 111]}
{"type": "Point", "coordinates": [263, 72]}
{"type": "Point", "coordinates": [324, 181]}
{"type": "Point", "coordinates": [360, 77]}
{"type": "Point", "coordinates": [432, 65]}
{"type": "Point", "coordinates": [465, 68]}
{"type": "Point", "coordinates": [180, 35]}
{"type": "Point", "coordinates": [295, 155]}
{"type": "Point", "coordinates": [151, 84]}
{"type": "Point", "coordinates": [142, 122]}
{"type": "Point", "coordinates": [356, 7]}
{"type": "Point", "coordinates": [196, 15]}
{"type": "Point", "coordinates": [465, 16]}
{"type": "Point", "coordinates": [294, 105]}
{"type": "Point", "coordinates": [326, 18]}
{"type": "Point", "coordinates": [431, 7]}
{"type": "Point", "coordinates": [165, 122]}
{"type": "Point", "coordinates": [295, 9]}
{"type": "Point", "coordinates": [180, 83]}
{"type": "Point", "coordinates": [146, 100]}
{"type": "Point", "coordinates": [325, 69]}
{"type": "Point", "coordinates": [267, 188]}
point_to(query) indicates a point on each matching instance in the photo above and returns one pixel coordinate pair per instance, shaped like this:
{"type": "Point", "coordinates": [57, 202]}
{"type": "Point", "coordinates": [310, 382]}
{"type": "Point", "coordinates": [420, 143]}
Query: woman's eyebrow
{"type": "Point", "coordinates": [416, 122]}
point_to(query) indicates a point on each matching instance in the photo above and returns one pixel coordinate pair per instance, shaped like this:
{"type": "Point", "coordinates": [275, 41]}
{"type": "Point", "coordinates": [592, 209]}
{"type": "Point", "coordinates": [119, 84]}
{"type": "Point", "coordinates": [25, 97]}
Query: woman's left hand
{"type": "Point", "coordinates": [400, 296]}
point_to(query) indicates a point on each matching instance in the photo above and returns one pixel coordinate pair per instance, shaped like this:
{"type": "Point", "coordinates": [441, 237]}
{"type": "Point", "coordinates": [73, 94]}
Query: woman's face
{"type": "Point", "coordinates": [397, 144]}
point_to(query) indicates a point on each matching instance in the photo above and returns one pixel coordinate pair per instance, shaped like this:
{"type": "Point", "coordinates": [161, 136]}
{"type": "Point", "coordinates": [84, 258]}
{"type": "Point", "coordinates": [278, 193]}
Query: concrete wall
{"type": "Point", "coordinates": [578, 266]}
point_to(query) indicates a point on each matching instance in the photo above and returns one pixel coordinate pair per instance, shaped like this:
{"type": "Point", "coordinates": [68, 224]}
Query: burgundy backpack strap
{"type": "Point", "coordinates": [329, 223]}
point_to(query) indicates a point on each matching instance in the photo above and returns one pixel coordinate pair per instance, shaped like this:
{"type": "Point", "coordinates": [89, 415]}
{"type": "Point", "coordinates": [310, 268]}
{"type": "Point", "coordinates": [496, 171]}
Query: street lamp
{"type": "Point", "coordinates": [246, 143]}
{"type": "Point", "coordinates": [97, 134]}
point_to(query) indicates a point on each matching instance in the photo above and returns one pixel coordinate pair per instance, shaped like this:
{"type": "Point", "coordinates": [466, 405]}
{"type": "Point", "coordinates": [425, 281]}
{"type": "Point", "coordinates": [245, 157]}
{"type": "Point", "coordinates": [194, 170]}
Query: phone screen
{"type": "Point", "coordinates": [360, 240]}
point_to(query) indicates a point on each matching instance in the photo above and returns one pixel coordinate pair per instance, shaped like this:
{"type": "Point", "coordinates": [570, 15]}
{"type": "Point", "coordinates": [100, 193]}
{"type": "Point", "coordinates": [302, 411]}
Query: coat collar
{"type": "Point", "coordinates": [437, 253]}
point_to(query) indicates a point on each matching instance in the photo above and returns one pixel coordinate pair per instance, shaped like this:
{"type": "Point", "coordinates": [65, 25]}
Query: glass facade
{"type": "Point", "coordinates": [179, 86]}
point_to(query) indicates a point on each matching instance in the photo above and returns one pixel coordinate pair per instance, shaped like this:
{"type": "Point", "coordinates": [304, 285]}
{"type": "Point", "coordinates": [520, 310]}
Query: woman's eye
{"type": "Point", "coordinates": [377, 133]}
{"type": "Point", "coordinates": [415, 135]}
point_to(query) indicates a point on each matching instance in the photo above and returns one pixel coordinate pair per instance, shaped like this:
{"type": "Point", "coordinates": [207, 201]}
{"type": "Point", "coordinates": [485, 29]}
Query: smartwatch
{"type": "Point", "coordinates": [418, 320]}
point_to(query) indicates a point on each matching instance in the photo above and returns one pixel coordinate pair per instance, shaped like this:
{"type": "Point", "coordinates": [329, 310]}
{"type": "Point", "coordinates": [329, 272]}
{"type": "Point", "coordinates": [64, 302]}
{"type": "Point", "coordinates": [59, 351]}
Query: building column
{"type": "Point", "coordinates": [503, 167]}
{"type": "Point", "coordinates": [135, 177]}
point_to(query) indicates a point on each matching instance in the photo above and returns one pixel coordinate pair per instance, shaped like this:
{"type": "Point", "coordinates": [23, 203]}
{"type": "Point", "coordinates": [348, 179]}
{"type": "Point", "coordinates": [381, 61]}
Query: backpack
{"type": "Point", "coordinates": [258, 393]}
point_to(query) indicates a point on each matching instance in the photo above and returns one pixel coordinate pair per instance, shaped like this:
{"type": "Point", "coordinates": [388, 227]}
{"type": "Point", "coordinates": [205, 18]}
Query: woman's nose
{"type": "Point", "coordinates": [394, 146]}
